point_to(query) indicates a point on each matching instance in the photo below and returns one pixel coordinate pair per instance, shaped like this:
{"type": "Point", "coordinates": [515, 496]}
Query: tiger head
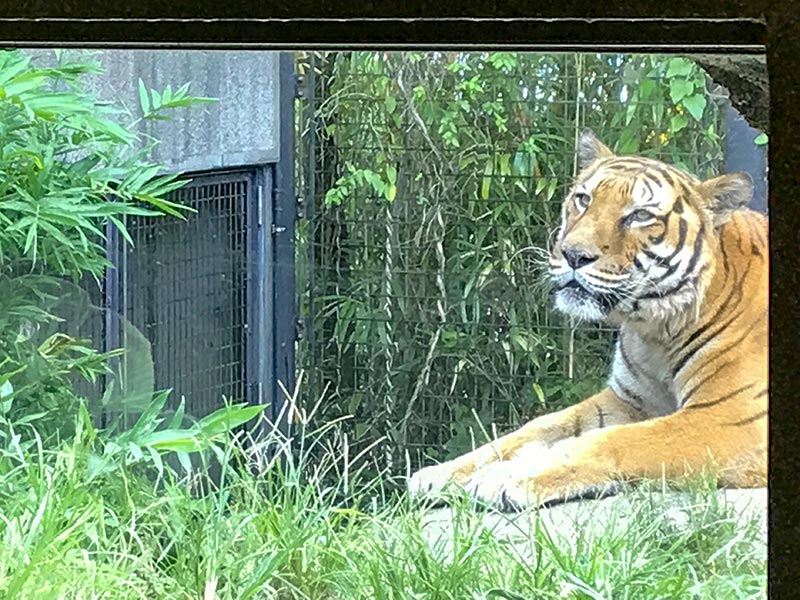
{"type": "Point", "coordinates": [637, 233]}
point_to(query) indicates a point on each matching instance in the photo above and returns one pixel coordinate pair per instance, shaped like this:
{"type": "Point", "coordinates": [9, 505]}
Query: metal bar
{"type": "Point", "coordinates": [261, 278]}
{"type": "Point", "coordinates": [111, 298]}
{"type": "Point", "coordinates": [114, 290]}
{"type": "Point", "coordinates": [284, 214]}
{"type": "Point", "coordinates": [254, 292]}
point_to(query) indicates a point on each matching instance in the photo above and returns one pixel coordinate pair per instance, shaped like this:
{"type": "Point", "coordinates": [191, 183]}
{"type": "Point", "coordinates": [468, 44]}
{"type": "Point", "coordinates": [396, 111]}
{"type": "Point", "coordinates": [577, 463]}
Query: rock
{"type": "Point", "coordinates": [574, 521]}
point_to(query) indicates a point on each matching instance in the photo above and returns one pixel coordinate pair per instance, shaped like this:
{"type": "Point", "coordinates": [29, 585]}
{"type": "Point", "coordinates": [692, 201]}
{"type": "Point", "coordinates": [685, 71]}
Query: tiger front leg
{"type": "Point", "coordinates": [671, 447]}
{"type": "Point", "coordinates": [482, 471]}
{"type": "Point", "coordinates": [435, 479]}
{"type": "Point", "coordinates": [577, 467]}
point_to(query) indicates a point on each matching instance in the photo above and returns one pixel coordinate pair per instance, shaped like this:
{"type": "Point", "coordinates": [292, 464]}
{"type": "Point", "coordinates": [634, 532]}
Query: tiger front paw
{"type": "Point", "coordinates": [433, 481]}
{"type": "Point", "coordinates": [504, 487]}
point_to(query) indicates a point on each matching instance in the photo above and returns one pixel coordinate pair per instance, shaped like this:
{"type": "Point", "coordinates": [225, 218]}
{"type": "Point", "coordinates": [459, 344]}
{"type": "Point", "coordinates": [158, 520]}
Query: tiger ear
{"type": "Point", "coordinates": [591, 149]}
{"type": "Point", "coordinates": [727, 193]}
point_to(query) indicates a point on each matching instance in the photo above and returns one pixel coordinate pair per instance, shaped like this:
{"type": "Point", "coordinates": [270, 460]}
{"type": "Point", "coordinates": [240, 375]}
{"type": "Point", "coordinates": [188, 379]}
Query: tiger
{"type": "Point", "coordinates": [678, 266]}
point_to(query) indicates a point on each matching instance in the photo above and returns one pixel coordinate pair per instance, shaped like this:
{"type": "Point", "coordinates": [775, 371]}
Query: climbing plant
{"type": "Point", "coordinates": [434, 184]}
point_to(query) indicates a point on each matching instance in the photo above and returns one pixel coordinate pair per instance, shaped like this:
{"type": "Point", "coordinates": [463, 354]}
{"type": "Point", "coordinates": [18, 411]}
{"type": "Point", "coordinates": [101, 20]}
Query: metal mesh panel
{"type": "Point", "coordinates": [185, 289]}
{"type": "Point", "coordinates": [427, 309]}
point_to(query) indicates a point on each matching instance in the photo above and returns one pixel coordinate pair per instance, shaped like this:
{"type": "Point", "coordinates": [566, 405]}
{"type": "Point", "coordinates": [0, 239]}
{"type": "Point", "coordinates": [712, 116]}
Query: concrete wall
{"type": "Point", "coordinates": [241, 128]}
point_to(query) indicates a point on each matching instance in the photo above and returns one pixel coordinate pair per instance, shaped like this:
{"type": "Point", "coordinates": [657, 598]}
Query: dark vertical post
{"type": "Point", "coordinates": [784, 176]}
{"type": "Point", "coordinates": [284, 214]}
{"type": "Point", "coordinates": [309, 144]}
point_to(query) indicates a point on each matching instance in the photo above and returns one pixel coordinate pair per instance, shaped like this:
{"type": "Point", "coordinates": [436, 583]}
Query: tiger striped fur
{"type": "Point", "coordinates": [681, 267]}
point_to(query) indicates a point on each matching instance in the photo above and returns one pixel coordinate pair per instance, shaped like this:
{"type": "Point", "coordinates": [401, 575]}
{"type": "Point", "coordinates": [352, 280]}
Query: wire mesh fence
{"type": "Point", "coordinates": [432, 184]}
{"type": "Point", "coordinates": [184, 289]}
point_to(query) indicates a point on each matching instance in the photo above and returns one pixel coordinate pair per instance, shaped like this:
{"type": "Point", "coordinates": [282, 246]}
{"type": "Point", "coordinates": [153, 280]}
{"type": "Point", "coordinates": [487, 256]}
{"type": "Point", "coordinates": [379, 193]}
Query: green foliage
{"type": "Point", "coordinates": [357, 178]}
{"type": "Point", "coordinates": [437, 188]}
{"type": "Point", "coordinates": [71, 168]}
{"type": "Point", "coordinates": [146, 440]}
{"type": "Point", "coordinates": [270, 527]}
{"type": "Point", "coordinates": [68, 170]}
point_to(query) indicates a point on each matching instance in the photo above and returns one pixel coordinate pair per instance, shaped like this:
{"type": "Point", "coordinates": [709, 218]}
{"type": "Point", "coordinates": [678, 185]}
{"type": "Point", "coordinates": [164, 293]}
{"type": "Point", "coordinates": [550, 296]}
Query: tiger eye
{"type": "Point", "coordinates": [582, 200]}
{"type": "Point", "coordinates": [641, 215]}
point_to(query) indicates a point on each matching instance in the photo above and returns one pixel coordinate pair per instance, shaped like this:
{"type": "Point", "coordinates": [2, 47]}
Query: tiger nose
{"type": "Point", "coordinates": [578, 257]}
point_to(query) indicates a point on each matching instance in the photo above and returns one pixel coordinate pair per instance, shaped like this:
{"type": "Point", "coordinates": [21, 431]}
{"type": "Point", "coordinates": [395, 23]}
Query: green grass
{"type": "Point", "coordinates": [272, 531]}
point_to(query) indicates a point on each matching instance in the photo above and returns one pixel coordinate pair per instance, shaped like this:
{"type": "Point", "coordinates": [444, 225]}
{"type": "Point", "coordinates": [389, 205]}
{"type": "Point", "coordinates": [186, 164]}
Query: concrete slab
{"type": "Point", "coordinates": [580, 520]}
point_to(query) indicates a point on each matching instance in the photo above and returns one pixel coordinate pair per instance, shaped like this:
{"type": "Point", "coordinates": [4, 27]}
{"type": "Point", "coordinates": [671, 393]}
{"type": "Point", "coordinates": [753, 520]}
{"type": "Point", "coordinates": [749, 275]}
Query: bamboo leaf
{"type": "Point", "coordinates": [486, 183]}
{"type": "Point", "coordinates": [391, 174]}
{"type": "Point", "coordinates": [144, 101]}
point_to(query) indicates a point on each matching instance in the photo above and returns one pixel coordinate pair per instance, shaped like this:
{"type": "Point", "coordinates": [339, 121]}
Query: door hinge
{"type": "Point", "coordinates": [299, 85]}
{"type": "Point", "coordinates": [300, 209]}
